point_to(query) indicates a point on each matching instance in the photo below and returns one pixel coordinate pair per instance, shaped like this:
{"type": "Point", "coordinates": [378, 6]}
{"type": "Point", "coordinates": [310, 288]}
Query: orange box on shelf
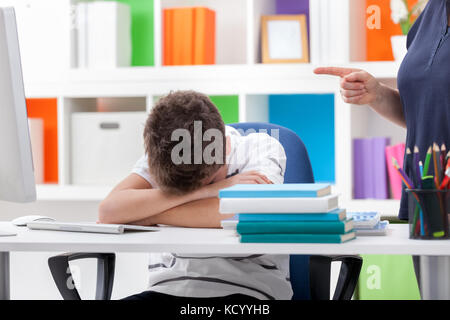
{"type": "Point", "coordinates": [204, 36]}
{"type": "Point", "coordinates": [189, 36]}
{"type": "Point", "coordinates": [379, 46]}
{"type": "Point", "coordinates": [46, 109]}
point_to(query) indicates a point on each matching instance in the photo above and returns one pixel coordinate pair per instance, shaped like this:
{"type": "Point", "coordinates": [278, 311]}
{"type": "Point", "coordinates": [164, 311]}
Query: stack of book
{"type": "Point", "coordinates": [286, 213]}
{"type": "Point", "coordinates": [189, 36]}
{"type": "Point", "coordinates": [368, 223]}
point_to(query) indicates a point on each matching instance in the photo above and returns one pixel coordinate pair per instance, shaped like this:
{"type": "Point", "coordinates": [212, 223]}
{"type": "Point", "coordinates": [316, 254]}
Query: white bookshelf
{"type": "Point", "coordinates": [334, 40]}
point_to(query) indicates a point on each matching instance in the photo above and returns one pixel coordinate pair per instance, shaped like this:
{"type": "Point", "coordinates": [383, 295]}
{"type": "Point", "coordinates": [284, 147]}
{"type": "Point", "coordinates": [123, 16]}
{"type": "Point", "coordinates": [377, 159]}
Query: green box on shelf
{"type": "Point", "coordinates": [228, 107]}
{"type": "Point", "coordinates": [142, 32]}
{"type": "Point", "coordinates": [388, 277]}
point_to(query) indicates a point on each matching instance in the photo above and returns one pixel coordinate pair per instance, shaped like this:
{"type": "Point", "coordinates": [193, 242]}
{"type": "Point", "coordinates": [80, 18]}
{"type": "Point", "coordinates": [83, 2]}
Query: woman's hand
{"type": "Point", "coordinates": [357, 86]}
{"type": "Point", "coordinates": [360, 87]}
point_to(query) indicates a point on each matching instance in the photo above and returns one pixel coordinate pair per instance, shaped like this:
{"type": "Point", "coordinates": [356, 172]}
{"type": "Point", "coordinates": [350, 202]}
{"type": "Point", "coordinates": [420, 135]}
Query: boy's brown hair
{"type": "Point", "coordinates": [179, 110]}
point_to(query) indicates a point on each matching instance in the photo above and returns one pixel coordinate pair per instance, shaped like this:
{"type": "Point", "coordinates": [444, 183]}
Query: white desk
{"type": "Point", "coordinates": [435, 265]}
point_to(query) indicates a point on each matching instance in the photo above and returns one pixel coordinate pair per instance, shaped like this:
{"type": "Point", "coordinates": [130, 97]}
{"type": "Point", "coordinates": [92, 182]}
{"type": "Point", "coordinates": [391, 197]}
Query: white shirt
{"type": "Point", "coordinates": [194, 275]}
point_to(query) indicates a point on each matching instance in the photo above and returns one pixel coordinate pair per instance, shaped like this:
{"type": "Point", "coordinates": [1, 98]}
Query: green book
{"type": "Point", "coordinates": [307, 227]}
{"type": "Point", "coordinates": [296, 238]}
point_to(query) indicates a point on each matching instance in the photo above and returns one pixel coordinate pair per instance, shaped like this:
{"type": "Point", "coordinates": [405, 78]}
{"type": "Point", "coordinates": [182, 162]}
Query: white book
{"type": "Point", "coordinates": [81, 34]}
{"type": "Point", "coordinates": [279, 205]}
{"type": "Point", "coordinates": [109, 35]}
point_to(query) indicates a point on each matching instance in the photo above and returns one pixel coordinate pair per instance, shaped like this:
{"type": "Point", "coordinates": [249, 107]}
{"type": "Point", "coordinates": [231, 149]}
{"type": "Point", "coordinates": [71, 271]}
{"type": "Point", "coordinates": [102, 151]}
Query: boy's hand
{"type": "Point", "coordinates": [250, 177]}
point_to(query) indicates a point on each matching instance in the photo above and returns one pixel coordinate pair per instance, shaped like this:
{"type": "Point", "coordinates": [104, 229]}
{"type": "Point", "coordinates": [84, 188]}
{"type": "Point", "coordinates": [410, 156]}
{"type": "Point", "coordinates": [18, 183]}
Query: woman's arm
{"type": "Point", "coordinates": [361, 88]}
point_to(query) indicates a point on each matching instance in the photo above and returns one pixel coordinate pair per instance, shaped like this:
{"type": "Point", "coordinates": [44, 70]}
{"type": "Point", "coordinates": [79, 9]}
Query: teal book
{"type": "Point", "coordinates": [308, 227]}
{"type": "Point", "coordinates": [334, 215]}
{"type": "Point", "coordinates": [288, 190]}
{"type": "Point", "coordinates": [296, 238]}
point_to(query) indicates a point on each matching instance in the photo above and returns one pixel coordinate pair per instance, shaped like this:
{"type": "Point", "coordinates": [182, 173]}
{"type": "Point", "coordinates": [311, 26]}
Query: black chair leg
{"type": "Point", "coordinates": [60, 270]}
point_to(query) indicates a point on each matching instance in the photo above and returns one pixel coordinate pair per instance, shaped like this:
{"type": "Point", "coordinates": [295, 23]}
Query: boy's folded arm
{"type": "Point", "coordinates": [134, 199]}
{"type": "Point", "coordinates": [202, 213]}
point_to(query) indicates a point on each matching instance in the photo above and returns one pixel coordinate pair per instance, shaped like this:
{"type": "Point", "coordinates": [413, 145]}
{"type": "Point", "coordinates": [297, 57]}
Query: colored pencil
{"type": "Point", "coordinates": [416, 167]}
{"type": "Point", "coordinates": [446, 179]}
{"type": "Point", "coordinates": [427, 162]}
{"type": "Point", "coordinates": [436, 152]}
{"type": "Point", "coordinates": [421, 168]}
{"type": "Point", "coordinates": [443, 153]}
{"type": "Point", "coordinates": [410, 161]}
{"type": "Point", "coordinates": [403, 175]}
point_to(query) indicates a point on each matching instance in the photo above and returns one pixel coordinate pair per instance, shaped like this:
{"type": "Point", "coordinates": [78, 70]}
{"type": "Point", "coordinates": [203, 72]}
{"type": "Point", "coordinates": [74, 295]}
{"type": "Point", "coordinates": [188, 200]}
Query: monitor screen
{"type": "Point", "coordinates": [17, 182]}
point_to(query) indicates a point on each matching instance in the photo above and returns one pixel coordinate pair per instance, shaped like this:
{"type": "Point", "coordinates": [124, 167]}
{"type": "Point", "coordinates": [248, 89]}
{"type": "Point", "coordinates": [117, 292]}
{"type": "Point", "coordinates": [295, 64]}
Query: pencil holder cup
{"type": "Point", "coordinates": [428, 213]}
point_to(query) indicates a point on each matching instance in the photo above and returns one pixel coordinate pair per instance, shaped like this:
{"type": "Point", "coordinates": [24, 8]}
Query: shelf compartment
{"type": "Point", "coordinates": [311, 116]}
{"type": "Point", "coordinates": [261, 8]}
{"type": "Point", "coordinates": [47, 110]}
{"type": "Point", "coordinates": [231, 27]}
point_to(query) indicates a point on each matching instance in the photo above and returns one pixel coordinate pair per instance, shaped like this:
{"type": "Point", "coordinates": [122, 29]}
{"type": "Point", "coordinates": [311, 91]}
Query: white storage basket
{"type": "Point", "coordinates": [105, 146]}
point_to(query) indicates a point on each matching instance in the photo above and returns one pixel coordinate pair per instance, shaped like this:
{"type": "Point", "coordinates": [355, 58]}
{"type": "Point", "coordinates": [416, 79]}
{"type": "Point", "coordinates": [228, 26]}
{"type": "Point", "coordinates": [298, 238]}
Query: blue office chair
{"type": "Point", "coordinates": [309, 275]}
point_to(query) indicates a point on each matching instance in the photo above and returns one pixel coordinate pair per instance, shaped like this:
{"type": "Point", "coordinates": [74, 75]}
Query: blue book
{"type": "Point", "coordinates": [304, 227]}
{"type": "Point", "coordinates": [296, 238]}
{"type": "Point", "coordinates": [335, 215]}
{"type": "Point", "coordinates": [289, 190]}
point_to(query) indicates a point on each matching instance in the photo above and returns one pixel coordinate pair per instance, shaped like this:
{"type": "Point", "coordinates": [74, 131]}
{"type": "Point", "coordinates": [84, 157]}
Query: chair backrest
{"type": "Point", "coordinates": [298, 170]}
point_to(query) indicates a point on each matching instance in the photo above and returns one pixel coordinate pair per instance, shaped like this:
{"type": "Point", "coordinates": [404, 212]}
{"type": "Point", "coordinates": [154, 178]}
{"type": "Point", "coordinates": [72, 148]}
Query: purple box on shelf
{"type": "Point", "coordinates": [292, 7]}
{"type": "Point", "coordinates": [369, 168]}
{"type": "Point", "coordinates": [381, 187]}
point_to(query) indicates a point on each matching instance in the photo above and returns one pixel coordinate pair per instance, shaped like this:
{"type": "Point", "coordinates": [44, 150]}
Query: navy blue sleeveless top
{"type": "Point", "coordinates": [424, 84]}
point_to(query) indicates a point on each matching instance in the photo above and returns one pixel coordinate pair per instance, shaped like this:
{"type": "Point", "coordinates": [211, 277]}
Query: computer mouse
{"type": "Point", "coordinates": [22, 221]}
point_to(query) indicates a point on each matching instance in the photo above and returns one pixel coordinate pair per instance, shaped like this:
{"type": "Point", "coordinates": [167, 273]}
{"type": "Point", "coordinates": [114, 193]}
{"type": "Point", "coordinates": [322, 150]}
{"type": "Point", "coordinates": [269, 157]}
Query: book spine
{"type": "Point", "coordinates": [290, 238]}
{"type": "Point", "coordinates": [379, 167]}
{"type": "Point", "coordinates": [183, 36]}
{"type": "Point", "coordinates": [289, 217]}
{"type": "Point", "coordinates": [102, 21]}
{"type": "Point", "coordinates": [368, 169]}
{"type": "Point", "coordinates": [281, 205]}
{"type": "Point", "coordinates": [123, 35]}
{"type": "Point", "coordinates": [291, 227]}
{"type": "Point", "coordinates": [394, 178]}
{"type": "Point", "coordinates": [199, 36]}
{"type": "Point", "coordinates": [81, 26]}
{"type": "Point", "coordinates": [210, 41]}
{"type": "Point", "coordinates": [358, 169]}
{"type": "Point", "coordinates": [268, 194]}
{"type": "Point", "coordinates": [167, 37]}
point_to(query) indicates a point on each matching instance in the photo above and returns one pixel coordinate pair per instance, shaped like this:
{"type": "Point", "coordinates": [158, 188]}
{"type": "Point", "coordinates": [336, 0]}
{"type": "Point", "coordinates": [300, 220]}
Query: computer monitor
{"type": "Point", "coordinates": [17, 182]}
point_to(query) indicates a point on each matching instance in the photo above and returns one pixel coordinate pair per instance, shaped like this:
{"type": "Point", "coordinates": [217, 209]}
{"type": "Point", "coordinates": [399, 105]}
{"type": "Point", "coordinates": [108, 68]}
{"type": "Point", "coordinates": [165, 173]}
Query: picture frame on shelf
{"type": "Point", "coordinates": [284, 39]}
